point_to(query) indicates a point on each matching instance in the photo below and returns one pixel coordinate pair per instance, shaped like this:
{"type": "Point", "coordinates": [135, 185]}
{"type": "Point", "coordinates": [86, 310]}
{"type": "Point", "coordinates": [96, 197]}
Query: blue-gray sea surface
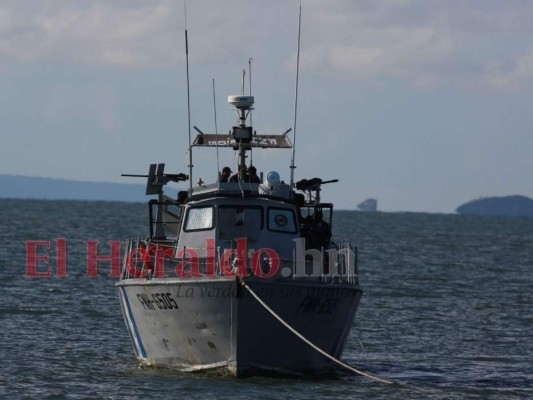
{"type": "Point", "coordinates": [447, 308]}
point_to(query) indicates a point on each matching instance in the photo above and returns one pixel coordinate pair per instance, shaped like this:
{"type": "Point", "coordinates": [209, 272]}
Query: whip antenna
{"type": "Point", "coordinates": [216, 127]}
{"type": "Point", "coordinates": [250, 84]}
{"type": "Point", "coordinates": [188, 95]}
{"type": "Point", "coordinates": [251, 120]}
{"type": "Point", "coordinates": [296, 96]}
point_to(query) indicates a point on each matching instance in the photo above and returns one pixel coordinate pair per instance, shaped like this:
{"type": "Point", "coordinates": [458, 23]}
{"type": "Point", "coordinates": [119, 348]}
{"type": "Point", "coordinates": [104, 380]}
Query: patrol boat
{"type": "Point", "coordinates": [239, 277]}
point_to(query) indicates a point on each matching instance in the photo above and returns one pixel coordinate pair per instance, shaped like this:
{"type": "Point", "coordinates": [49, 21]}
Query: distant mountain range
{"type": "Point", "coordinates": [513, 206]}
{"type": "Point", "coordinates": [25, 187]}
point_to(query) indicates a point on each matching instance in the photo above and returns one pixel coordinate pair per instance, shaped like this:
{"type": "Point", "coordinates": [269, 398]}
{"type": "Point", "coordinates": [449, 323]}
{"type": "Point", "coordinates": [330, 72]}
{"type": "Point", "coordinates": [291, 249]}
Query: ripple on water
{"type": "Point", "coordinates": [446, 307]}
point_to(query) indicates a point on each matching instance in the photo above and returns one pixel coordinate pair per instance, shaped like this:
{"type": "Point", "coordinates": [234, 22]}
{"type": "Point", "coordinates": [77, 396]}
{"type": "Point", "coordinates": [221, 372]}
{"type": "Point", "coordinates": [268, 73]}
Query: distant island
{"type": "Point", "coordinates": [512, 206]}
{"type": "Point", "coordinates": [25, 187]}
{"type": "Point", "coordinates": [368, 205]}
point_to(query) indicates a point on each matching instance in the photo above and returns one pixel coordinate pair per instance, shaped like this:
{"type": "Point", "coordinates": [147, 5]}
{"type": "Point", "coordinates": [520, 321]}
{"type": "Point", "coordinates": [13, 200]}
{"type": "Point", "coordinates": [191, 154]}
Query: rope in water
{"type": "Point", "coordinates": [298, 334]}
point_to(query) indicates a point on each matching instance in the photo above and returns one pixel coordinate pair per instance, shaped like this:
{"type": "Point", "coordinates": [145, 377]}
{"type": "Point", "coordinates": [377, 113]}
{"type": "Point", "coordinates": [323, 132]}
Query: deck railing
{"type": "Point", "coordinates": [163, 259]}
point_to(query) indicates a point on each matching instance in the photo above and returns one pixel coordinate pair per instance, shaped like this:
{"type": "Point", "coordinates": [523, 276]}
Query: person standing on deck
{"type": "Point", "coordinates": [225, 174]}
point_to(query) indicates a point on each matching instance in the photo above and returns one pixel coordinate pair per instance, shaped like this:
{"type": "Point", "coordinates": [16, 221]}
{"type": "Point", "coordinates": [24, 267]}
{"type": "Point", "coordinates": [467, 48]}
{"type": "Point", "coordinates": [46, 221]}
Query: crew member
{"type": "Point", "coordinates": [252, 175]}
{"type": "Point", "coordinates": [225, 174]}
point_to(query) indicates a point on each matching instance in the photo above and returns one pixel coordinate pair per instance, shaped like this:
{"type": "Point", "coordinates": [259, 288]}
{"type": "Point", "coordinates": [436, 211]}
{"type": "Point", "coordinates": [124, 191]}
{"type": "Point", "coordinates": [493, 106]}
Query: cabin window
{"type": "Point", "coordinates": [281, 220]}
{"type": "Point", "coordinates": [240, 221]}
{"type": "Point", "coordinates": [199, 218]}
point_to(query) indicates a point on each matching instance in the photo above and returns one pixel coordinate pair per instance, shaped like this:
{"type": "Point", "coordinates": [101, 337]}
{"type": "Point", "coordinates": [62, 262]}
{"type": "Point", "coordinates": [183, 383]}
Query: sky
{"type": "Point", "coordinates": [423, 105]}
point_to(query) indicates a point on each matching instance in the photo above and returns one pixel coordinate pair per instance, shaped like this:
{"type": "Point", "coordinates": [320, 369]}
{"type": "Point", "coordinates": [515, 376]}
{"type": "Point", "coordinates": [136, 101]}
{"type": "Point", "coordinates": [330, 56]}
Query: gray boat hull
{"type": "Point", "coordinates": [204, 324]}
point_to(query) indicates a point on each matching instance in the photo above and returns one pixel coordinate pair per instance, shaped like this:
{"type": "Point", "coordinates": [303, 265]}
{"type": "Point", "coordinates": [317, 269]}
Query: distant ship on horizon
{"type": "Point", "coordinates": [368, 205]}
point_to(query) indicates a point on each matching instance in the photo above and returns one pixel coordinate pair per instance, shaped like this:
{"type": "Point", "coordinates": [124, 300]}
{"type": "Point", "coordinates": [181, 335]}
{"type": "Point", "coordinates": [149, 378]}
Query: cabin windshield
{"type": "Point", "coordinates": [199, 218]}
{"type": "Point", "coordinates": [239, 221]}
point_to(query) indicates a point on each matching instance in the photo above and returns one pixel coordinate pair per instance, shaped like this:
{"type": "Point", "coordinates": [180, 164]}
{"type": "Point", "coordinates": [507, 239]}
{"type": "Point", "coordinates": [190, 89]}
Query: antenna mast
{"type": "Point", "coordinates": [250, 84]}
{"type": "Point", "coordinates": [188, 95]}
{"type": "Point", "coordinates": [216, 127]}
{"type": "Point", "coordinates": [251, 120]}
{"type": "Point", "coordinates": [296, 96]}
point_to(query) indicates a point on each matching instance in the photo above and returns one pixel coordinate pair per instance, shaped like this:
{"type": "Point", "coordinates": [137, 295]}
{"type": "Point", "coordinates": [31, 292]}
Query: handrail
{"type": "Point", "coordinates": [148, 259]}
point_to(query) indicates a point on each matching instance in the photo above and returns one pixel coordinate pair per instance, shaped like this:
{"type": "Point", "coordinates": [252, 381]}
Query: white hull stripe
{"type": "Point", "coordinates": [132, 326]}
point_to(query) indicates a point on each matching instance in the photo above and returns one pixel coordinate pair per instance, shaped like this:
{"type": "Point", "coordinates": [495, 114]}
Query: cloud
{"type": "Point", "coordinates": [92, 105]}
{"type": "Point", "coordinates": [408, 56]}
{"type": "Point", "coordinates": [513, 76]}
{"type": "Point", "coordinates": [479, 42]}
{"type": "Point", "coordinates": [141, 34]}
{"type": "Point", "coordinates": [422, 42]}
{"type": "Point", "coordinates": [90, 33]}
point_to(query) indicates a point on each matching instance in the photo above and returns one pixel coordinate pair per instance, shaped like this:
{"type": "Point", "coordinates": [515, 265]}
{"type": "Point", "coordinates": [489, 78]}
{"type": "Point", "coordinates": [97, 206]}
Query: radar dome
{"type": "Point", "coordinates": [272, 181]}
{"type": "Point", "coordinates": [241, 102]}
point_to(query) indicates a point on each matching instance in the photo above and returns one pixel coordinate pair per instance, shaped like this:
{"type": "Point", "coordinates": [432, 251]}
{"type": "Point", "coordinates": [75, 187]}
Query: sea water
{"type": "Point", "coordinates": [446, 311]}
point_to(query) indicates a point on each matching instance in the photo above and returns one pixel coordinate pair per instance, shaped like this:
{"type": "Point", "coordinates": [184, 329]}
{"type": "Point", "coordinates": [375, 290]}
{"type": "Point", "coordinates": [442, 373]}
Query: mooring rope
{"type": "Point", "coordinates": [298, 334]}
{"type": "Point", "coordinates": [314, 346]}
